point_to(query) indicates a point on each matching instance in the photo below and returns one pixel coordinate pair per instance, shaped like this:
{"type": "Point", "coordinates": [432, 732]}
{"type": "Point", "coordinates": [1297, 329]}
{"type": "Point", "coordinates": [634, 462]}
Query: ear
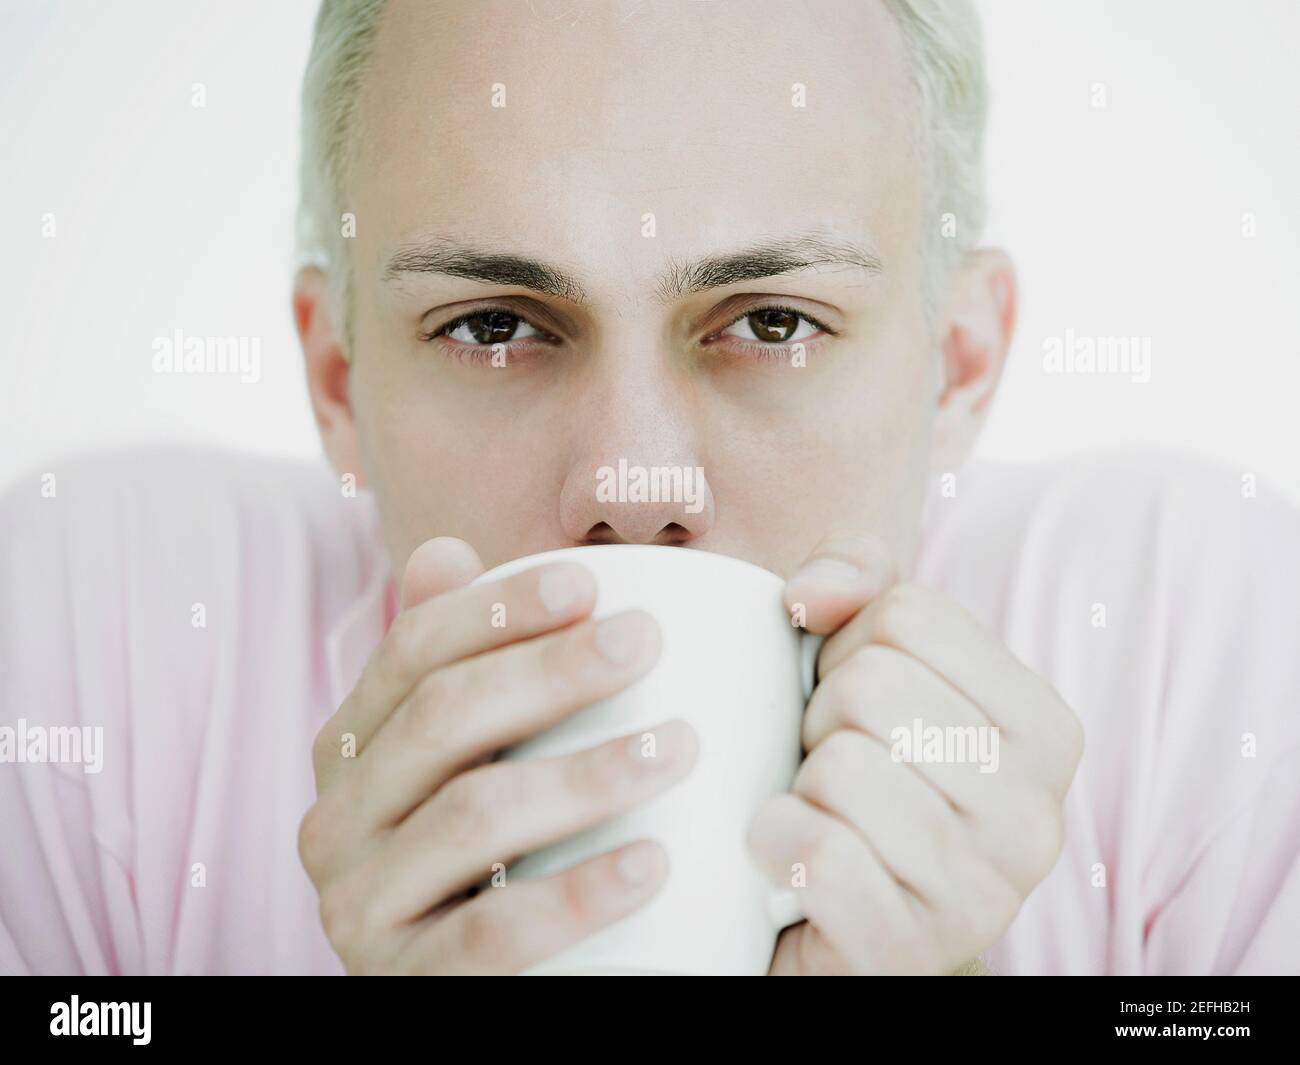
{"type": "Point", "coordinates": [974, 340]}
{"type": "Point", "coordinates": [328, 371]}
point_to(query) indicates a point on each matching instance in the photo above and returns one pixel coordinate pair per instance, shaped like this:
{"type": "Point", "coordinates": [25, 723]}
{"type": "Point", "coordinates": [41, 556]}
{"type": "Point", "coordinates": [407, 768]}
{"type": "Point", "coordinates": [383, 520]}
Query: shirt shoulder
{"type": "Point", "coordinates": [1158, 594]}
{"type": "Point", "coordinates": [1150, 542]}
{"type": "Point", "coordinates": [159, 593]}
{"type": "Point", "coordinates": [146, 521]}
{"type": "Point", "coordinates": [1167, 582]}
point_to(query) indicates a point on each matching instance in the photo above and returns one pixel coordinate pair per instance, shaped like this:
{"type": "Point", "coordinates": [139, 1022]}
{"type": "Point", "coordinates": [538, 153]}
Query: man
{"type": "Point", "coordinates": [548, 237]}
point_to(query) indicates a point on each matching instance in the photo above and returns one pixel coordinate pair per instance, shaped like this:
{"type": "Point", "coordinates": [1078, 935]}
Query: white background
{"type": "Point", "coordinates": [1124, 220]}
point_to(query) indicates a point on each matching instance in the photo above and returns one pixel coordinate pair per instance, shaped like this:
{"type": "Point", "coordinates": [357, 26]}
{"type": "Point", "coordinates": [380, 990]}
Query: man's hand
{"type": "Point", "coordinates": [401, 833]}
{"type": "Point", "coordinates": [910, 867]}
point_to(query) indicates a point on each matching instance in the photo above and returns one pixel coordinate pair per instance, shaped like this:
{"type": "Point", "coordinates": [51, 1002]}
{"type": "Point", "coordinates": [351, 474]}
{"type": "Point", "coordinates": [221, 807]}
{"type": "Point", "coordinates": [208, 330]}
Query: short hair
{"type": "Point", "coordinates": [944, 52]}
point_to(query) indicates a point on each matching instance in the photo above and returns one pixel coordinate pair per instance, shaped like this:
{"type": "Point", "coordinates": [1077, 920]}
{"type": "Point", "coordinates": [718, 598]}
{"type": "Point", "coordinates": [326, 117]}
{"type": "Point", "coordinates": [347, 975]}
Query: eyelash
{"type": "Point", "coordinates": [479, 352]}
{"type": "Point", "coordinates": [763, 350]}
{"type": "Point", "coordinates": [769, 350]}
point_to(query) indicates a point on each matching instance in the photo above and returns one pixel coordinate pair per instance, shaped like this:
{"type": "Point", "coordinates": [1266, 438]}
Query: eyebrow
{"type": "Point", "coordinates": [768, 258]}
{"type": "Point", "coordinates": [445, 256]}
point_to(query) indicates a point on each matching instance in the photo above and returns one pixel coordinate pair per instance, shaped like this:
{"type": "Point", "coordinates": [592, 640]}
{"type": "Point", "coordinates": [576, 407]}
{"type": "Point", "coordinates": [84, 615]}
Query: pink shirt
{"type": "Point", "coordinates": [208, 612]}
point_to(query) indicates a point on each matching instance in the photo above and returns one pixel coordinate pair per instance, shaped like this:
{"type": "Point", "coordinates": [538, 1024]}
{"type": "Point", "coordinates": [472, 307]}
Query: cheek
{"type": "Point", "coordinates": [874, 410]}
{"type": "Point", "coordinates": [859, 458]}
{"type": "Point", "coordinates": [437, 472]}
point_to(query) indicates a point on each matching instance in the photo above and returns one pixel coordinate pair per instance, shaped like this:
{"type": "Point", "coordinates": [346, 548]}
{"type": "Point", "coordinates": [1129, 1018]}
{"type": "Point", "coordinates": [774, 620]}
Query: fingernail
{"type": "Point", "coordinates": [636, 865]}
{"type": "Point", "coordinates": [559, 587]}
{"type": "Point", "coordinates": [619, 638]}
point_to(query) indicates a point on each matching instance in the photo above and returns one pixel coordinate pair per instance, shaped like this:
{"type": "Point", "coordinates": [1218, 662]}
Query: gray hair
{"type": "Point", "coordinates": [945, 60]}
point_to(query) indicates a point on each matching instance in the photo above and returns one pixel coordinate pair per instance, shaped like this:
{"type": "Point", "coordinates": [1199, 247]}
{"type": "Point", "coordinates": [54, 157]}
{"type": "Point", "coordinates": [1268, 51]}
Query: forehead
{"type": "Point", "coordinates": [556, 126]}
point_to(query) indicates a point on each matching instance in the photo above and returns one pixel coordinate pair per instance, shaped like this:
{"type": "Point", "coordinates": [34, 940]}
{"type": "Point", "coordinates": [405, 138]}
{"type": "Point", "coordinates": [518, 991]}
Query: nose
{"type": "Point", "coordinates": [631, 502]}
{"type": "Point", "coordinates": [636, 475]}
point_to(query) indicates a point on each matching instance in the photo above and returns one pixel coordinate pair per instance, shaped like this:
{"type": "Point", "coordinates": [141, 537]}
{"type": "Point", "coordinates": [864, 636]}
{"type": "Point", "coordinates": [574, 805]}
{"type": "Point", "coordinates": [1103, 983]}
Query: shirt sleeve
{"type": "Point", "coordinates": [1222, 878]}
{"type": "Point", "coordinates": [1238, 911]}
{"type": "Point", "coordinates": [66, 895]}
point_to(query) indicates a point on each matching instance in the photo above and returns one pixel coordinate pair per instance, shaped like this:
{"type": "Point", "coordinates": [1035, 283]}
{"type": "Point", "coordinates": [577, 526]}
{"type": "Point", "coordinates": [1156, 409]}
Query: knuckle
{"type": "Point", "coordinates": [311, 839]}
{"type": "Point", "coordinates": [822, 772]}
{"type": "Point", "coordinates": [950, 836]}
{"type": "Point", "coordinates": [584, 895]}
{"type": "Point", "coordinates": [405, 641]}
{"type": "Point", "coordinates": [334, 809]}
{"type": "Point", "coordinates": [339, 912]}
{"type": "Point", "coordinates": [566, 661]}
{"type": "Point", "coordinates": [827, 851]}
{"type": "Point", "coordinates": [871, 662]}
{"type": "Point", "coordinates": [859, 686]}
{"type": "Point", "coordinates": [901, 614]}
{"type": "Point", "coordinates": [328, 748]}
{"type": "Point", "coordinates": [322, 747]}
{"type": "Point", "coordinates": [464, 804]}
{"type": "Point", "coordinates": [878, 557]}
{"type": "Point", "coordinates": [596, 774]}
{"type": "Point", "coordinates": [424, 708]}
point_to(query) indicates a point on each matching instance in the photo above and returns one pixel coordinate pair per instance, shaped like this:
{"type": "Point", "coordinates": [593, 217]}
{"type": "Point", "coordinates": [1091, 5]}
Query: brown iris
{"type": "Point", "coordinates": [772, 325]}
{"type": "Point", "coordinates": [492, 327]}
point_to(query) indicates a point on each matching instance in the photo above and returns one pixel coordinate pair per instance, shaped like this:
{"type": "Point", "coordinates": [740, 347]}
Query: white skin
{"type": "Point", "coordinates": [815, 471]}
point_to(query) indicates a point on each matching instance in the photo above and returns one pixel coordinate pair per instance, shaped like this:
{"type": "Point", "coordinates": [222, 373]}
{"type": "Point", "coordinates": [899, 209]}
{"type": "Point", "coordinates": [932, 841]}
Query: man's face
{"type": "Point", "coordinates": [633, 149]}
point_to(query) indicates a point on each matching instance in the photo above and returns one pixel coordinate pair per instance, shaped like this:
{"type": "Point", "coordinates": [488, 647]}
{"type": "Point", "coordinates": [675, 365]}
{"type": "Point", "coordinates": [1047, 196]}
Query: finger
{"type": "Point", "coordinates": [939, 633]}
{"type": "Point", "coordinates": [1008, 800]}
{"type": "Point", "coordinates": [487, 703]}
{"type": "Point", "coordinates": [508, 929]}
{"type": "Point", "coordinates": [435, 567]}
{"type": "Point", "coordinates": [921, 840]}
{"type": "Point", "coordinates": [889, 695]}
{"type": "Point", "coordinates": [847, 893]}
{"type": "Point", "coordinates": [500, 811]}
{"type": "Point", "coordinates": [445, 629]}
{"type": "Point", "coordinates": [840, 577]}
{"type": "Point", "coordinates": [925, 845]}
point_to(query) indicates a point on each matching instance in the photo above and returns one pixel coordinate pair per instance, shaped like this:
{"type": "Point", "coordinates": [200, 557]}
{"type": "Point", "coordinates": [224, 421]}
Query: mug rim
{"type": "Point", "coordinates": [541, 558]}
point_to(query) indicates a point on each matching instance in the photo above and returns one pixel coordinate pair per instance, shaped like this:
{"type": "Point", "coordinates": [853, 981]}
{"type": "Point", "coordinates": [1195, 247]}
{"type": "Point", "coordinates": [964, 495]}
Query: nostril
{"type": "Point", "coordinates": [602, 533]}
{"type": "Point", "coordinates": [672, 533]}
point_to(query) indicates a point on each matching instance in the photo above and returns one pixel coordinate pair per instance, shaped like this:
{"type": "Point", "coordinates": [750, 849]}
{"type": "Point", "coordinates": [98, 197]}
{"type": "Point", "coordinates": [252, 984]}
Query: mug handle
{"type": "Point", "coordinates": [783, 904]}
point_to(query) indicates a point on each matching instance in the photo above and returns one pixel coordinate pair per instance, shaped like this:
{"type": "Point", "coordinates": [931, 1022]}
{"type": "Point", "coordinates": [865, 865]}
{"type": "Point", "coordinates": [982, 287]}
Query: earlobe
{"type": "Point", "coordinates": [328, 370]}
{"type": "Point", "coordinates": [974, 342]}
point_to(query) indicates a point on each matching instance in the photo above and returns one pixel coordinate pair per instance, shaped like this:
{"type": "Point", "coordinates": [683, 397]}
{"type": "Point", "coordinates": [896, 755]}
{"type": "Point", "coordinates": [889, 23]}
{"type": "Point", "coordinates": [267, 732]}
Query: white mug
{"type": "Point", "coordinates": [736, 668]}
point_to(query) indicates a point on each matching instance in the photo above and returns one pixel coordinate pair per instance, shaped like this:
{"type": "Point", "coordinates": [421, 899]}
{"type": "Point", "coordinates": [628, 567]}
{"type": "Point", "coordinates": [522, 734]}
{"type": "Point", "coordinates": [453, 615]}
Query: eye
{"type": "Point", "coordinates": [774, 325]}
{"type": "Point", "coordinates": [486, 327]}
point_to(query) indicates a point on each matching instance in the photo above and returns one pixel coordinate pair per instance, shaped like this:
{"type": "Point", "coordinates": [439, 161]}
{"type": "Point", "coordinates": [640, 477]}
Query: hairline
{"type": "Point", "coordinates": [327, 173]}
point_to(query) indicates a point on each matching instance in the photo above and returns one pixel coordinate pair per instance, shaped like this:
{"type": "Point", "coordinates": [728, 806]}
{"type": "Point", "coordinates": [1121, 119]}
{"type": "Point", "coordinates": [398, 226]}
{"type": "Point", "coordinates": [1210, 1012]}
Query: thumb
{"type": "Point", "coordinates": [844, 573]}
{"type": "Point", "coordinates": [437, 566]}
